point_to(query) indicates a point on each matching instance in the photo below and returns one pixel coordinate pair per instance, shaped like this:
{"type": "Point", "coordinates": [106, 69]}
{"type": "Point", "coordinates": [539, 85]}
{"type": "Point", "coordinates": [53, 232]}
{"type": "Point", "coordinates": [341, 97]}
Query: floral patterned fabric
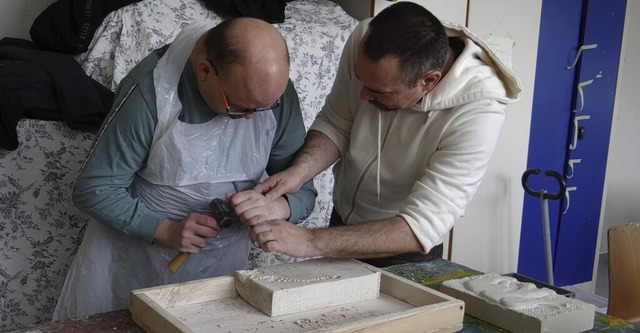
{"type": "Point", "coordinates": [40, 229]}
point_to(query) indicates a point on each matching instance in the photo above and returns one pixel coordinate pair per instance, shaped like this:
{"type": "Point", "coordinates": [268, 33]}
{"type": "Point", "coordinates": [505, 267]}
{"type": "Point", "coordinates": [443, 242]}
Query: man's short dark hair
{"type": "Point", "coordinates": [411, 33]}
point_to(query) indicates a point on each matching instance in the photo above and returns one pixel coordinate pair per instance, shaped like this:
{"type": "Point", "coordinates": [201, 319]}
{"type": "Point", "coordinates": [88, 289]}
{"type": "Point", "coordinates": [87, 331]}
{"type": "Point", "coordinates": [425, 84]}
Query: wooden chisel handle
{"type": "Point", "coordinates": [177, 261]}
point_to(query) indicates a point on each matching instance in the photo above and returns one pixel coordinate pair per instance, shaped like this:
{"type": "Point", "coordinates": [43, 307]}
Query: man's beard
{"type": "Point", "coordinates": [380, 106]}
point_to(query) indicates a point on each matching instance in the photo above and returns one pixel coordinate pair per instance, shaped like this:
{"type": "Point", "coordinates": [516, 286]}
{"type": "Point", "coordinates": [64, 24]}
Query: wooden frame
{"type": "Point", "coordinates": [211, 305]}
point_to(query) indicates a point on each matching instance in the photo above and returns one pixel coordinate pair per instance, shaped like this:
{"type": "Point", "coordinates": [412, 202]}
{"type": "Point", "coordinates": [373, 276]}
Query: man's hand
{"type": "Point", "coordinates": [287, 181]}
{"type": "Point", "coordinates": [318, 153]}
{"type": "Point", "coordinates": [252, 207]}
{"type": "Point", "coordinates": [189, 235]}
{"type": "Point", "coordinates": [284, 237]}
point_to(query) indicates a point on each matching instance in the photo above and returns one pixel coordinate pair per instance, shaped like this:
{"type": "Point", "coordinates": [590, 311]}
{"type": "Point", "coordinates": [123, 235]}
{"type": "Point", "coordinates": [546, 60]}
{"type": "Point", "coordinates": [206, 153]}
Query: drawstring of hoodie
{"type": "Point", "coordinates": [378, 158]}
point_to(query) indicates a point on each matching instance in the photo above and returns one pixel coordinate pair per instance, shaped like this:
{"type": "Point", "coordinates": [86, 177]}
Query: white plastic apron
{"type": "Point", "coordinates": [188, 166]}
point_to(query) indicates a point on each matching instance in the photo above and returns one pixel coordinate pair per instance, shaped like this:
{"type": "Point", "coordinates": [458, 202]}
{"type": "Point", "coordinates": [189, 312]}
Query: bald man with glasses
{"type": "Point", "coordinates": [192, 121]}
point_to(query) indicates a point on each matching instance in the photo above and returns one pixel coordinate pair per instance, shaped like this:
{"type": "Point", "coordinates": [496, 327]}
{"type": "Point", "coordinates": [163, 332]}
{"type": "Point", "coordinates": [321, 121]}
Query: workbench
{"type": "Point", "coordinates": [430, 274]}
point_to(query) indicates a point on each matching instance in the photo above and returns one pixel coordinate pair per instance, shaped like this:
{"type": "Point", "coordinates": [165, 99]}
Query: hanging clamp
{"type": "Point", "coordinates": [543, 193]}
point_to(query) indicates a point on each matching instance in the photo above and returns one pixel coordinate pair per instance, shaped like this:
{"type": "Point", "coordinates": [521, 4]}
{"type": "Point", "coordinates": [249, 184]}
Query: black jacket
{"type": "Point", "coordinates": [46, 85]}
{"type": "Point", "coordinates": [271, 11]}
{"type": "Point", "coordinates": [68, 26]}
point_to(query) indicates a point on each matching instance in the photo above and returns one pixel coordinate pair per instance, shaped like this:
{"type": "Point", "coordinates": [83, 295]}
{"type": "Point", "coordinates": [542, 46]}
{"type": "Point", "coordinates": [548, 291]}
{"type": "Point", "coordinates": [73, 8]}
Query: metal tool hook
{"type": "Point", "coordinates": [543, 193]}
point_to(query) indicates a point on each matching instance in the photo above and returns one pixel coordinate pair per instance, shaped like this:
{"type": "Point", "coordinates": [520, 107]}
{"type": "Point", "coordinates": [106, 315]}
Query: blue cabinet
{"type": "Point", "coordinates": [576, 75]}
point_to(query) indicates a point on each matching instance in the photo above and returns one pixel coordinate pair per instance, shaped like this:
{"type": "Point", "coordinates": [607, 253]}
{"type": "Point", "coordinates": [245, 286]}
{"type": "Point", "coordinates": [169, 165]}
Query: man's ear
{"type": "Point", "coordinates": [431, 79]}
{"type": "Point", "coordinates": [203, 69]}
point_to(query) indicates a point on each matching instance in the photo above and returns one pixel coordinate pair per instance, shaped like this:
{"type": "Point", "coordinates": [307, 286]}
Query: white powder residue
{"type": "Point", "coordinates": [257, 276]}
{"type": "Point", "coordinates": [333, 317]}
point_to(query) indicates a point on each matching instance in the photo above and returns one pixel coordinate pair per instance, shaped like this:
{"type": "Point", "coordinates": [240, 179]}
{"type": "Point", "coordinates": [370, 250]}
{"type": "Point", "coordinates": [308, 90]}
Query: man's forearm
{"type": "Point", "coordinates": [375, 239]}
{"type": "Point", "coordinates": [317, 154]}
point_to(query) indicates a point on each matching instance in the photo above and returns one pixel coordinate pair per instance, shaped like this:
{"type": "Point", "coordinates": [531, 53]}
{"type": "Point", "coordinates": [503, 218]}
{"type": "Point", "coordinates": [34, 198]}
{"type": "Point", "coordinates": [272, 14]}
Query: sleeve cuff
{"type": "Point", "coordinates": [146, 227]}
{"type": "Point", "coordinates": [301, 203]}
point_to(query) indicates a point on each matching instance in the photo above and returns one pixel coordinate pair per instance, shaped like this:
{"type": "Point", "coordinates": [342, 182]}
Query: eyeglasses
{"type": "Point", "coordinates": [236, 111]}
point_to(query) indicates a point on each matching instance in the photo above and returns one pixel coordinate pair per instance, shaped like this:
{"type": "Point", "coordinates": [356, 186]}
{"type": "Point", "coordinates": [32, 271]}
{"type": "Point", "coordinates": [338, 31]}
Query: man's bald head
{"type": "Point", "coordinates": [252, 53]}
{"type": "Point", "coordinates": [242, 40]}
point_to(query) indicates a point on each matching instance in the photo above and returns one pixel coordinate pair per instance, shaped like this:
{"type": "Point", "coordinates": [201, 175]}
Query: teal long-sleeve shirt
{"type": "Point", "coordinates": [123, 143]}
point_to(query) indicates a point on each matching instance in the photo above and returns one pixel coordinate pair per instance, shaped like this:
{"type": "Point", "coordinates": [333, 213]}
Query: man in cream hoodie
{"type": "Point", "coordinates": [412, 121]}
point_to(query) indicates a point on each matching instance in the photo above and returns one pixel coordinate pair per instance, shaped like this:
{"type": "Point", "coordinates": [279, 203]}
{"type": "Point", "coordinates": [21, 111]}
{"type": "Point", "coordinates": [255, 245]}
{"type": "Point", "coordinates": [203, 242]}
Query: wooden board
{"type": "Point", "coordinates": [624, 271]}
{"type": "Point", "coordinates": [213, 305]}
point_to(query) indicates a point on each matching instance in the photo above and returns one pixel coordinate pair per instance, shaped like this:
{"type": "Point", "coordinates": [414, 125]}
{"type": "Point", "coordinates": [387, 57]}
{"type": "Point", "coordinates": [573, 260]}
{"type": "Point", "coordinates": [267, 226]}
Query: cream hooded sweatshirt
{"type": "Point", "coordinates": [423, 164]}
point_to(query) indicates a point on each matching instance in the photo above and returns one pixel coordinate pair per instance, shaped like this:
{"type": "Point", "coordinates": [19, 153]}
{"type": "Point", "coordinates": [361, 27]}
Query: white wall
{"type": "Point", "coordinates": [16, 16]}
{"type": "Point", "coordinates": [488, 236]}
{"type": "Point", "coordinates": [622, 204]}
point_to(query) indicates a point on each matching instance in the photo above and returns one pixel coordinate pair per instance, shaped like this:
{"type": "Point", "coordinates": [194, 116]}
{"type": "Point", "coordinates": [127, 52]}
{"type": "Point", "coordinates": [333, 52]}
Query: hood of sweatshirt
{"type": "Point", "coordinates": [476, 74]}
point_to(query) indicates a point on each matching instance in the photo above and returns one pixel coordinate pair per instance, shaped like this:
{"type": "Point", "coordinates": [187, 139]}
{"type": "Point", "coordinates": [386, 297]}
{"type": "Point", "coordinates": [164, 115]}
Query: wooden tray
{"type": "Point", "coordinates": [213, 305]}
